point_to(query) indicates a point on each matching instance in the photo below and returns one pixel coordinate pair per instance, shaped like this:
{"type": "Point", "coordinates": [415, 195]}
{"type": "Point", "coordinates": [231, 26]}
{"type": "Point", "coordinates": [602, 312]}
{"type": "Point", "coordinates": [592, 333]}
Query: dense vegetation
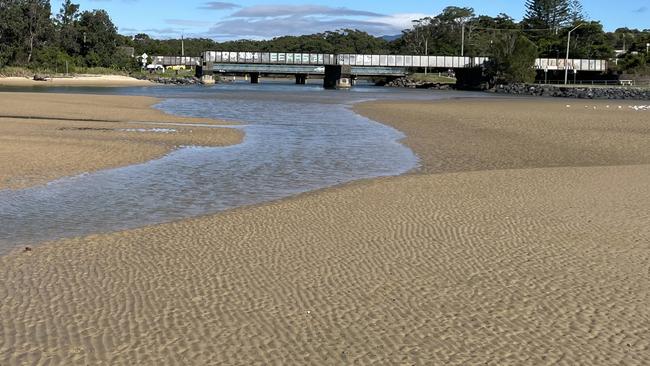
{"type": "Point", "coordinates": [31, 36]}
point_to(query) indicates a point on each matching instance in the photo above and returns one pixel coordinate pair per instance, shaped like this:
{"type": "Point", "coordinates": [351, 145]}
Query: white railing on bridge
{"type": "Point", "coordinates": [289, 58]}
{"type": "Point", "coordinates": [283, 58]}
{"type": "Point", "coordinates": [320, 59]}
{"type": "Point", "coordinates": [574, 64]}
{"type": "Point", "coordinates": [410, 61]}
{"type": "Point", "coordinates": [175, 60]}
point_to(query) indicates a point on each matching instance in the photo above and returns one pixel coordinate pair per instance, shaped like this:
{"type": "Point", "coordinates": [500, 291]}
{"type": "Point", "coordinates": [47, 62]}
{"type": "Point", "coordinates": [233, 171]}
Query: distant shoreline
{"type": "Point", "coordinates": [81, 80]}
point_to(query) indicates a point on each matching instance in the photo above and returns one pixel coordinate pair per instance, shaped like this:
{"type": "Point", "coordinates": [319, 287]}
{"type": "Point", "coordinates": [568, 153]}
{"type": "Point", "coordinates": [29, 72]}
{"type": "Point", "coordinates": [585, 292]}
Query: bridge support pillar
{"type": "Point", "coordinates": [301, 79]}
{"type": "Point", "coordinates": [208, 79]}
{"type": "Point", "coordinates": [206, 73]}
{"type": "Point", "coordinates": [255, 78]}
{"type": "Point", "coordinates": [338, 77]}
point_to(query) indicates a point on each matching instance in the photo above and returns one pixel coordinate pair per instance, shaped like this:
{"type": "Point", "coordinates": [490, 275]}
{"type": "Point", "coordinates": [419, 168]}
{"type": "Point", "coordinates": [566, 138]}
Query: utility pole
{"type": "Point", "coordinates": [566, 60]}
{"type": "Point", "coordinates": [426, 53]}
{"type": "Point", "coordinates": [182, 45]}
{"type": "Point", "coordinates": [462, 41]}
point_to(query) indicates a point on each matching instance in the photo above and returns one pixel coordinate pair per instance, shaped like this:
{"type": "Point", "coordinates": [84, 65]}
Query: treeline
{"type": "Point", "coordinates": [341, 41]}
{"type": "Point", "coordinates": [546, 24]}
{"type": "Point", "coordinates": [30, 35]}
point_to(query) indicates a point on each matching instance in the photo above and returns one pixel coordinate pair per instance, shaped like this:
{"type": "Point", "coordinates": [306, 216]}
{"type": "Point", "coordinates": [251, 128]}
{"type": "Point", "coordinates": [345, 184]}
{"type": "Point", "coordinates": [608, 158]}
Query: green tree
{"type": "Point", "coordinates": [442, 33]}
{"type": "Point", "coordinates": [67, 22]}
{"type": "Point", "coordinates": [484, 31]}
{"type": "Point", "coordinates": [590, 41]}
{"type": "Point", "coordinates": [11, 26]}
{"type": "Point", "coordinates": [354, 41]}
{"type": "Point", "coordinates": [98, 37]}
{"type": "Point", "coordinates": [576, 11]}
{"type": "Point", "coordinates": [512, 59]}
{"type": "Point", "coordinates": [37, 25]}
{"type": "Point", "coordinates": [547, 14]}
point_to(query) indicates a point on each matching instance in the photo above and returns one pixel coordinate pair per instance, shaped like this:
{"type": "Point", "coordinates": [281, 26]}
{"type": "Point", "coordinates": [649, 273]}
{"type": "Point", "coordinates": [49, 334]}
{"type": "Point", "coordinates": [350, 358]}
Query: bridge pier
{"type": "Point", "coordinates": [208, 79]}
{"type": "Point", "coordinates": [206, 73]}
{"type": "Point", "coordinates": [338, 77]}
{"type": "Point", "coordinates": [301, 79]}
{"type": "Point", "coordinates": [255, 78]}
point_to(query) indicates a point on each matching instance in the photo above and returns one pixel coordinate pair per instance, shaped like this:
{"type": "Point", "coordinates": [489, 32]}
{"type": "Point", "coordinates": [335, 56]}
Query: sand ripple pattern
{"type": "Point", "coordinates": [512, 267]}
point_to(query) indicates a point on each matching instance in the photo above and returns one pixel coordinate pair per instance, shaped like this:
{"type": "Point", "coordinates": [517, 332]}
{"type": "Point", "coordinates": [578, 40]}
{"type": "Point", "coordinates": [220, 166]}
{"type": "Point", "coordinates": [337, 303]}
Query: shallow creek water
{"type": "Point", "coordinates": [298, 139]}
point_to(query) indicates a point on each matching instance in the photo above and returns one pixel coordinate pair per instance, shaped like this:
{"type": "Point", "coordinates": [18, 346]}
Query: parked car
{"type": "Point", "coordinates": [153, 67]}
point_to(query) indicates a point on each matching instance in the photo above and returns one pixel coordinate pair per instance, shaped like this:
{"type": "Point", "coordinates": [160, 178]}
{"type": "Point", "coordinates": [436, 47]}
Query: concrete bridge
{"type": "Point", "coordinates": [339, 70]}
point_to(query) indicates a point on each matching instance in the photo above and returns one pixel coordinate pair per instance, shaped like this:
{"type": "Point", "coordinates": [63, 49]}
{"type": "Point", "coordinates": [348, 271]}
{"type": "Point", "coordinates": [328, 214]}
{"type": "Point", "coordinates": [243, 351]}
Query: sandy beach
{"type": "Point", "coordinates": [81, 80]}
{"type": "Point", "coordinates": [49, 136]}
{"type": "Point", "coordinates": [523, 239]}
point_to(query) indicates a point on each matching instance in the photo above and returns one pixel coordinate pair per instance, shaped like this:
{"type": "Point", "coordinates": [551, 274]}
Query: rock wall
{"type": "Point", "coordinates": [416, 84]}
{"type": "Point", "coordinates": [181, 80]}
{"type": "Point", "coordinates": [574, 92]}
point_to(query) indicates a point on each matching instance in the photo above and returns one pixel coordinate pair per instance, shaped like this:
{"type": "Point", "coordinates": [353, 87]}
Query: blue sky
{"type": "Point", "coordinates": [261, 19]}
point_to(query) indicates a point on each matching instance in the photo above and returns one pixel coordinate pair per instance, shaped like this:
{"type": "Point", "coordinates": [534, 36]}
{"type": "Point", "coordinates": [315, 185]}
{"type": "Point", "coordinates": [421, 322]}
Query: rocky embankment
{"type": "Point", "coordinates": [574, 92]}
{"type": "Point", "coordinates": [417, 84]}
{"type": "Point", "coordinates": [182, 80]}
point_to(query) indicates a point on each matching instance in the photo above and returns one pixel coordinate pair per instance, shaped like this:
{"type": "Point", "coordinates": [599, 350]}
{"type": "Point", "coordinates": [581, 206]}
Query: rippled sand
{"type": "Point", "coordinates": [465, 135]}
{"type": "Point", "coordinates": [48, 136]}
{"type": "Point", "coordinates": [523, 266]}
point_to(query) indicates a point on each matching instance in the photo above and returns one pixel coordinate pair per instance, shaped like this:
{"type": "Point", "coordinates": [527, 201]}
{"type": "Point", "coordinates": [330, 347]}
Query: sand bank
{"type": "Point", "coordinates": [83, 80]}
{"type": "Point", "coordinates": [528, 266]}
{"type": "Point", "coordinates": [48, 136]}
{"type": "Point", "coordinates": [467, 135]}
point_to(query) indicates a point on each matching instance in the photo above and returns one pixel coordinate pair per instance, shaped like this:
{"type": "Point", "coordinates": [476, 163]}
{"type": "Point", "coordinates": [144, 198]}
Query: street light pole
{"type": "Point", "coordinates": [566, 60]}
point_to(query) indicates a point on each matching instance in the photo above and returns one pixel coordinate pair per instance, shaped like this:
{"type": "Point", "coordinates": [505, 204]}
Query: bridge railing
{"type": "Point", "coordinates": [574, 64]}
{"type": "Point", "coordinates": [290, 58]}
{"type": "Point", "coordinates": [175, 60]}
{"type": "Point", "coordinates": [410, 61]}
{"type": "Point", "coordinates": [283, 58]}
{"type": "Point", "coordinates": [449, 62]}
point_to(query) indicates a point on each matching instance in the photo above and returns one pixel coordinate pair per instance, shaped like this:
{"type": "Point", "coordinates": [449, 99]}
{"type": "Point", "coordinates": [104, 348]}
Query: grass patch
{"type": "Point", "coordinates": [432, 78]}
{"type": "Point", "coordinates": [18, 71]}
{"type": "Point", "coordinates": [14, 71]}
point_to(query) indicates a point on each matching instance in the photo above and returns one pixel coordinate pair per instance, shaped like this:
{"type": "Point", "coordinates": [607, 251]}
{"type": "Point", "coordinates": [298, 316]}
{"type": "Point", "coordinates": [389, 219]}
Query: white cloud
{"type": "Point", "coordinates": [268, 21]}
{"type": "Point", "coordinates": [219, 5]}
{"type": "Point", "coordinates": [262, 11]}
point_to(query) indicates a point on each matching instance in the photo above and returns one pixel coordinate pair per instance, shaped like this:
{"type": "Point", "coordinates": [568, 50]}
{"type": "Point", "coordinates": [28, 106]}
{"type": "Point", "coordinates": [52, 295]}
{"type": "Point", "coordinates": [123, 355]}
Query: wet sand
{"type": "Point", "coordinates": [540, 259]}
{"type": "Point", "coordinates": [49, 136]}
{"type": "Point", "coordinates": [82, 80]}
